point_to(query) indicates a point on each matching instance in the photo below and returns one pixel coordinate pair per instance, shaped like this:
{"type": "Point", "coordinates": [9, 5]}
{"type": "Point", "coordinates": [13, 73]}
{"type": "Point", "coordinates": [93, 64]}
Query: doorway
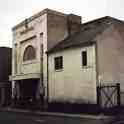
{"type": "Point", "coordinates": [28, 91]}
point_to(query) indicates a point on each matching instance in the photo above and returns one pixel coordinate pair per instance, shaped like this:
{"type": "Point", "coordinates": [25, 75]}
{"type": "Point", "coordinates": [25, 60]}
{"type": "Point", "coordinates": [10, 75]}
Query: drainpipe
{"type": "Point", "coordinates": [41, 65]}
{"type": "Point", "coordinates": [96, 63]}
{"type": "Point", "coordinates": [47, 78]}
{"type": "Point", "coordinates": [97, 74]}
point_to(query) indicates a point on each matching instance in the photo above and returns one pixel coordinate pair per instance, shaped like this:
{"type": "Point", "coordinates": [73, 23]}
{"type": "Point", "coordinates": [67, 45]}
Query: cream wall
{"type": "Point", "coordinates": [21, 41]}
{"type": "Point", "coordinates": [74, 83]}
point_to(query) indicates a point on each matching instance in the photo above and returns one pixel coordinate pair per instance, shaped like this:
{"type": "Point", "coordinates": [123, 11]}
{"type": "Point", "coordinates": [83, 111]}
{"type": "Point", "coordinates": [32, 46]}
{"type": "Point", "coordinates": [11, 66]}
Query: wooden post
{"type": "Point", "coordinates": [98, 96]}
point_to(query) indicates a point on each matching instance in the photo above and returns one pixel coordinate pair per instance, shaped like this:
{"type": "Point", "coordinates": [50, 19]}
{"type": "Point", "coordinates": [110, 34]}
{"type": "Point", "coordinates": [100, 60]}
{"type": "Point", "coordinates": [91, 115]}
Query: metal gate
{"type": "Point", "coordinates": [108, 95]}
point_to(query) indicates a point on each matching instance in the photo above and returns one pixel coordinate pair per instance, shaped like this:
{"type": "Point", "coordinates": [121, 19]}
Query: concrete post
{"type": "Point", "coordinates": [13, 89]}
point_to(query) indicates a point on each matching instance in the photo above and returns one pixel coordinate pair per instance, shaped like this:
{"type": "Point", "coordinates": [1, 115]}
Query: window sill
{"type": "Point", "coordinates": [58, 70]}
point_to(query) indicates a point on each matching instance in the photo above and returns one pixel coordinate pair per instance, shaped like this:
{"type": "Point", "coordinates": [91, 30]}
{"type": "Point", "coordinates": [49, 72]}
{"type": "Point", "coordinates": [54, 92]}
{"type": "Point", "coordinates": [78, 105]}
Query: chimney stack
{"type": "Point", "coordinates": [74, 22]}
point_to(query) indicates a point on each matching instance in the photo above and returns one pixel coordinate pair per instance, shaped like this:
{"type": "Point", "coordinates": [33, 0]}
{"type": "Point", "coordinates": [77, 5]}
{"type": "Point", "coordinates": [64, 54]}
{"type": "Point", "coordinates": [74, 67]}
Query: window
{"type": "Point", "coordinates": [84, 58]}
{"type": "Point", "coordinates": [29, 53]}
{"type": "Point", "coordinates": [58, 61]}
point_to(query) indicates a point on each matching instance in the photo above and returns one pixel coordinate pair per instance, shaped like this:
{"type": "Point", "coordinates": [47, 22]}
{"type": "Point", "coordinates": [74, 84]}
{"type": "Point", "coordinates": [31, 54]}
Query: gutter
{"type": "Point", "coordinates": [96, 63]}
{"type": "Point", "coordinates": [97, 74]}
{"type": "Point", "coordinates": [47, 78]}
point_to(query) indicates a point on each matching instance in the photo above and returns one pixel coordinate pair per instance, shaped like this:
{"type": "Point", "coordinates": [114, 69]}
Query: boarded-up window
{"type": "Point", "coordinates": [58, 62]}
{"type": "Point", "coordinates": [29, 53]}
{"type": "Point", "coordinates": [84, 58]}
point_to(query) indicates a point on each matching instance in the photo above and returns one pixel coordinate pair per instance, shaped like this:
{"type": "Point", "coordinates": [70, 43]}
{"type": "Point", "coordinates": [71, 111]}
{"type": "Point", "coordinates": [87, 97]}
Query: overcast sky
{"type": "Point", "coordinates": [14, 11]}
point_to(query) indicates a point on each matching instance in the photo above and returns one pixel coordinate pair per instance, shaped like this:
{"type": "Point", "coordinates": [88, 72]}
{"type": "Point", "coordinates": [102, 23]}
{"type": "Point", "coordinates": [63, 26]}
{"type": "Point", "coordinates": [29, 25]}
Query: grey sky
{"type": "Point", "coordinates": [14, 11]}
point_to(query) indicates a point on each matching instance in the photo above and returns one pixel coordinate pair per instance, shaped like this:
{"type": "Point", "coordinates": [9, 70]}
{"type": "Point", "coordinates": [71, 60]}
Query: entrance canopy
{"type": "Point", "coordinates": [25, 76]}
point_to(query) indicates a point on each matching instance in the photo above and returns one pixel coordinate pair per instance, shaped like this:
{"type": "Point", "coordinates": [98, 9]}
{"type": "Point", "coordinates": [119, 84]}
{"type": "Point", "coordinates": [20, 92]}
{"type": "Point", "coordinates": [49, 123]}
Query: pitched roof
{"type": "Point", "coordinates": [87, 33]}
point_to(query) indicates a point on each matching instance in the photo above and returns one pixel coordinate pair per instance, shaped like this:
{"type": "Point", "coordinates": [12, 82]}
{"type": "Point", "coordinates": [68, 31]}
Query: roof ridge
{"type": "Point", "coordinates": [101, 18]}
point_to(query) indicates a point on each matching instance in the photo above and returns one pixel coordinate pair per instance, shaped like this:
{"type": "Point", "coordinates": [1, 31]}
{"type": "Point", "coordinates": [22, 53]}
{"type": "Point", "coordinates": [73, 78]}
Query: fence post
{"type": "Point", "coordinates": [98, 96]}
{"type": "Point", "coordinates": [118, 94]}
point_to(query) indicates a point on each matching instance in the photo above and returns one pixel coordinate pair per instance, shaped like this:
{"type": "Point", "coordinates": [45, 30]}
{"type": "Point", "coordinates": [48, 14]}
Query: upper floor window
{"type": "Point", "coordinates": [58, 62]}
{"type": "Point", "coordinates": [29, 53]}
{"type": "Point", "coordinates": [84, 58]}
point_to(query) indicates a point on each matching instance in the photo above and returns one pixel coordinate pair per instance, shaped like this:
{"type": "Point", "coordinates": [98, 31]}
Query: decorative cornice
{"type": "Point", "coordinates": [29, 38]}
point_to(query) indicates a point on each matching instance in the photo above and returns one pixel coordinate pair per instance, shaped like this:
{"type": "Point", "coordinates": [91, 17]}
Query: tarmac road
{"type": "Point", "coordinates": [7, 117]}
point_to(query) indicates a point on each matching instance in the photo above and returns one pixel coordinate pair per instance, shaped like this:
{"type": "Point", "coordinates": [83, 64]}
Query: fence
{"type": "Point", "coordinates": [108, 95]}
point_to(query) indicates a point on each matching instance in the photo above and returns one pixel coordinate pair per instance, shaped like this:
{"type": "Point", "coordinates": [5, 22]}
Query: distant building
{"type": "Point", "coordinates": [5, 71]}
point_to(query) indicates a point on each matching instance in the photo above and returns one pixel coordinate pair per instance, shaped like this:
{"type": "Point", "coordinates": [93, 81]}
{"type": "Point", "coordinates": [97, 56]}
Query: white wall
{"type": "Point", "coordinates": [74, 83]}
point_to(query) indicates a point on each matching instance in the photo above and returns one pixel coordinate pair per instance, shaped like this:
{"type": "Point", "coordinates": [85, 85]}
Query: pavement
{"type": "Point", "coordinates": [13, 115]}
